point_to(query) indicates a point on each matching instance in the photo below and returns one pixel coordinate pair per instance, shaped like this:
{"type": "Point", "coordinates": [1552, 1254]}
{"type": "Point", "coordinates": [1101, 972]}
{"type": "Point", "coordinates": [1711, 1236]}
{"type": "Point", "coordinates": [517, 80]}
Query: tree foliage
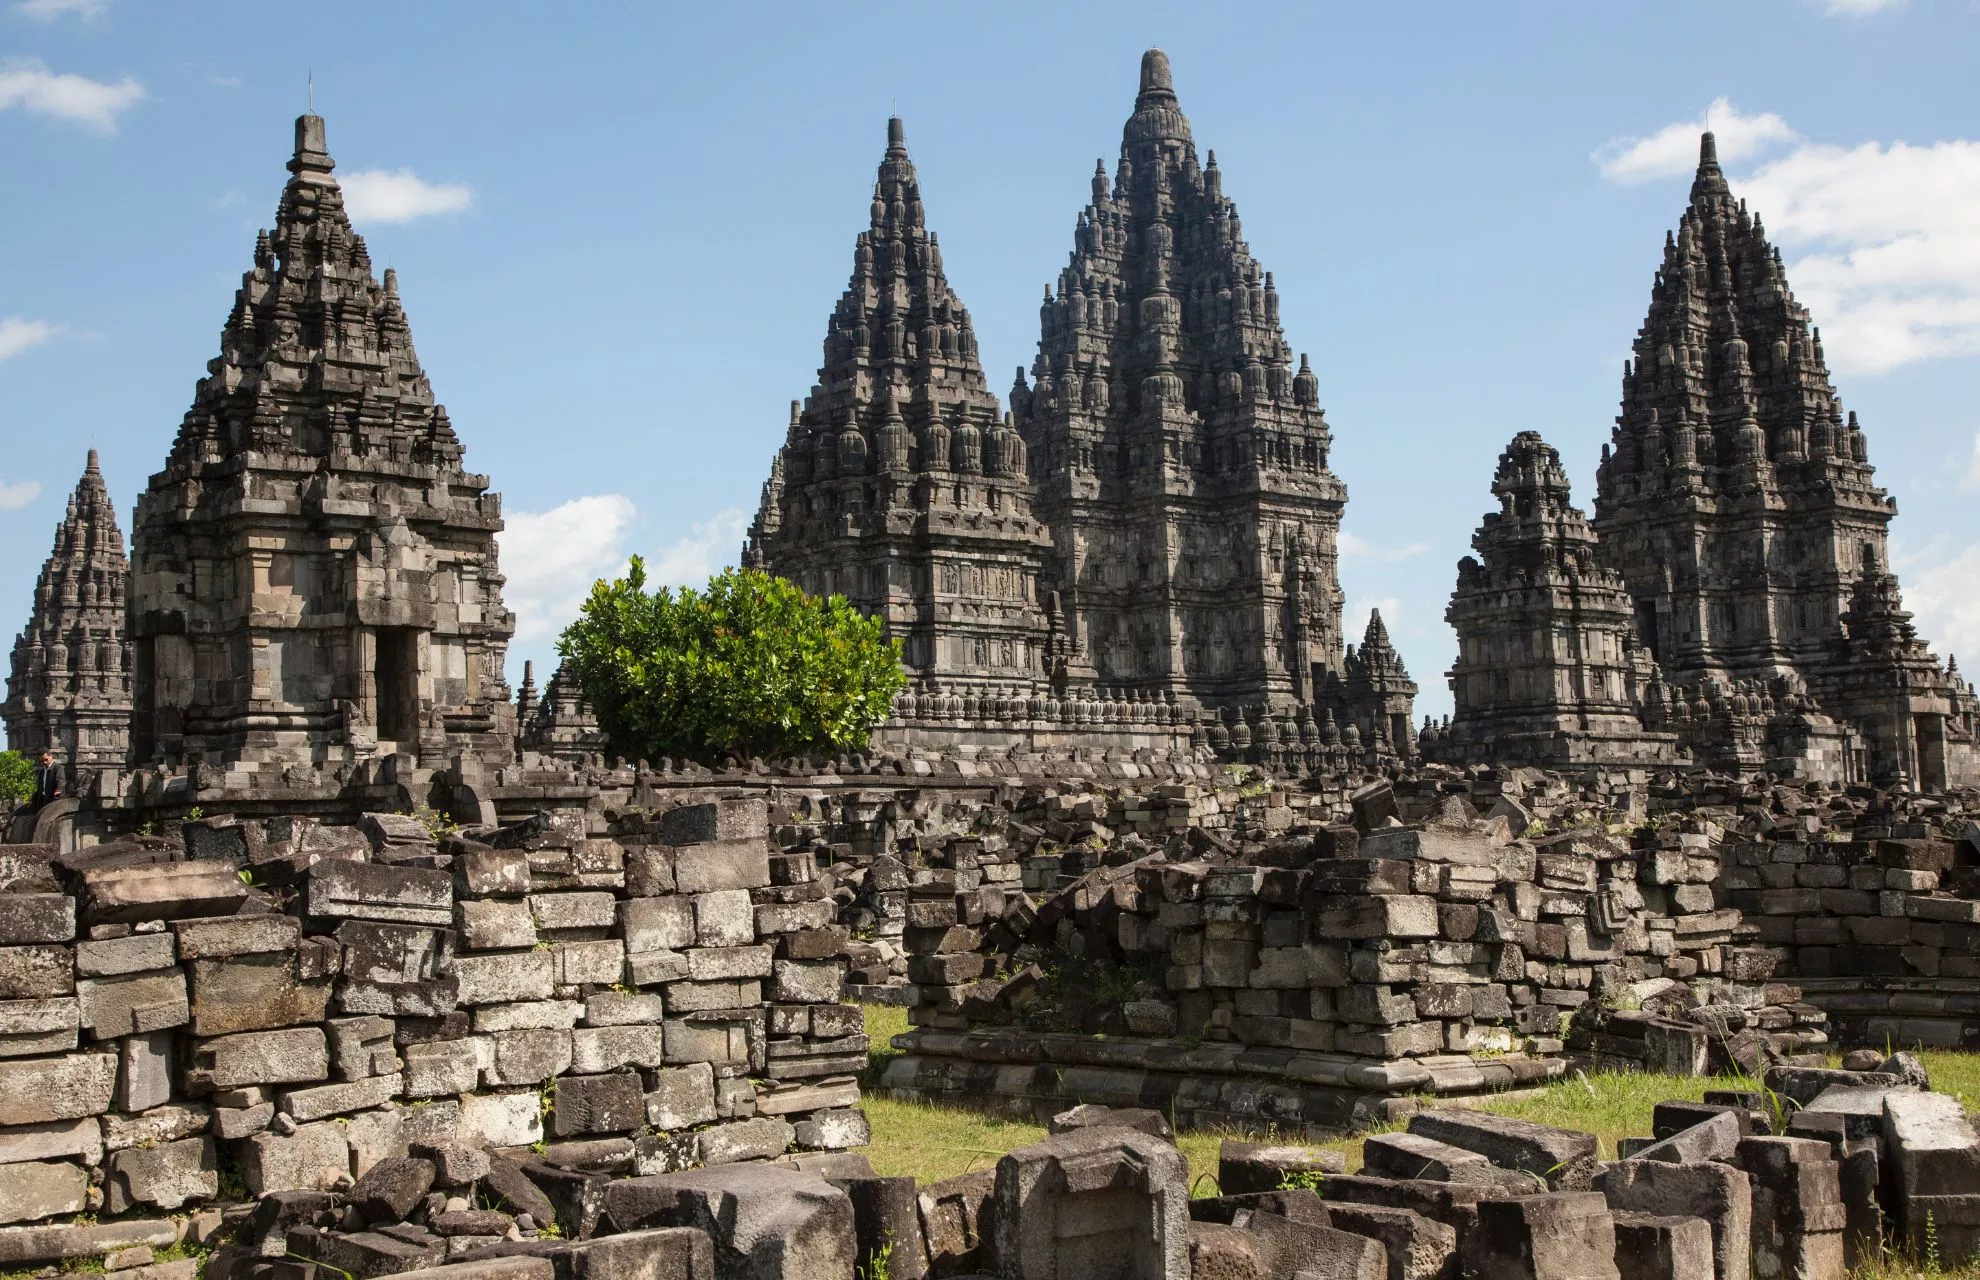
{"type": "Point", "coordinates": [16, 780]}
{"type": "Point", "coordinates": [749, 666]}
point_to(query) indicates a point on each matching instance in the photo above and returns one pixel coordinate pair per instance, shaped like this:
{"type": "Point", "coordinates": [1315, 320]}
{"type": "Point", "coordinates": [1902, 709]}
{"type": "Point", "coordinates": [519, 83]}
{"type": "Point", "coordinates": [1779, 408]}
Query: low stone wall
{"type": "Point", "coordinates": [1299, 969]}
{"type": "Point", "coordinates": [274, 1006]}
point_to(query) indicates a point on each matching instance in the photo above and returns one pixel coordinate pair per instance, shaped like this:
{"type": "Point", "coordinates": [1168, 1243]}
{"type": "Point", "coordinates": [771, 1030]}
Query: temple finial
{"type": "Point", "coordinates": [90, 468]}
{"type": "Point", "coordinates": [312, 149]}
{"type": "Point", "coordinates": [1708, 150]}
{"type": "Point", "coordinates": [896, 134]}
{"type": "Point", "coordinates": [1156, 83]}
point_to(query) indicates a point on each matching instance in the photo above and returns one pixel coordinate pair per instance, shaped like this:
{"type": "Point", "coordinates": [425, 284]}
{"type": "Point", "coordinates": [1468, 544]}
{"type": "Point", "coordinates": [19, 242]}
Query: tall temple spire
{"type": "Point", "coordinates": [314, 514]}
{"type": "Point", "coordinates": [1171, 430]}
{"type": "Point", "coordinates": [69, 688]}
{"type": "Point", "coordinates": [1732, 448]}
{"type": "Point", "coordinates": [901, 453]}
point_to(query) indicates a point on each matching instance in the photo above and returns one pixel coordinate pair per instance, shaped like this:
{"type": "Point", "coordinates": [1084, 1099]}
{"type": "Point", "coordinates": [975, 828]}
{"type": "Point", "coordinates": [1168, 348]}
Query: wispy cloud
{"type": "Point", "coordinates": [1889, 261]}
{"type": "Point", "coordinates": [1354, 547]}
{"type": "Point", "coordinates": [50, 10]}
{"type": "Point", "coordinates": [1673, 149]}
{"type": "Point", "coordinates": [399, 195]}
{"type": "Point", "coordinates": [552, 557]}
{"type": "Point", "coordinates": [18, 335]}
{"type": "Point", "coordinates": [708, 547]}
{"type": "Point", "coordinates": [1970, 482]}
{"type": "Point", "coordinates": [1860, 8]}
{"type": "Point", "coordinates": [1942, 589]}
{"type": "Point", "coordinates": [29, 84]}
{"type": "Point", "coordinates": [17, 495]}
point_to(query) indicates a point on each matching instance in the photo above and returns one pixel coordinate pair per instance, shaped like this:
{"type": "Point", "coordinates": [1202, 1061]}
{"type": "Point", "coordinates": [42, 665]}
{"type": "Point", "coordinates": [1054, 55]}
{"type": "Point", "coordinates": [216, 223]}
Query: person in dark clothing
{"type": "Point", "coordinates": [49, 780]}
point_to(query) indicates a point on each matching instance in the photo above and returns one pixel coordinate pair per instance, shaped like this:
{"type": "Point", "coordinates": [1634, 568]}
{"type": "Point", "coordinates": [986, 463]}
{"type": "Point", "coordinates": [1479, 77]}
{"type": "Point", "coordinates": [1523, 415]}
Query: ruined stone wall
{"type": "Point", "coordinates": [287, 1003]}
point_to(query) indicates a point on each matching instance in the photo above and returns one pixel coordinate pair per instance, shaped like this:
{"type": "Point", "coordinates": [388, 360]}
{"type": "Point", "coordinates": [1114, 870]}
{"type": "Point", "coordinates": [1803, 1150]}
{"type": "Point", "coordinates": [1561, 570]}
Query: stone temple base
{"type": "Point", "coordinates": [1031, 1076]}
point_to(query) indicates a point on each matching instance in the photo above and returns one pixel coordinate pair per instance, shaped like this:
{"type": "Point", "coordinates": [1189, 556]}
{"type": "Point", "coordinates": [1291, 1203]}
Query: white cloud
{"type": "Point", "coordinates": [1970, 483]}
{"type": "Point", "coordinates": [49, 10]}
{"type": "Point", "coordinates": [1673, 149]}
{"type": "Point", "coordinates": [399, 195]}
{"type": "Point", "coordinates": [1889, 263]}
{"type": "Point", "coordinates": [94, 104]}
{"type": "Point", "coordinates": [15, 496]}
{"type": "Point", "coordinates": [1860, 8]}
{"type": "Point", "coordinates": [17, 335]}
{"type": "Point", "coordinates": [1352, 546]}
{"type": "Point", "coordinates": [710, 546]}
{"type": "Point", "coordinates": [1943, 594]}
{"type": "Point", "coordinates": [552, 557]}
{"type": "Point", "coordinates": [1892, 264]}
{"type": "Point", "coordinates": [1358, 611]}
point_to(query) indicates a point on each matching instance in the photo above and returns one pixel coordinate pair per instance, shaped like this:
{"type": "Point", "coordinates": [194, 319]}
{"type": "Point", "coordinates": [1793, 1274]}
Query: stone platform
{"type": "Point", "coordinates": [1033, 1076]}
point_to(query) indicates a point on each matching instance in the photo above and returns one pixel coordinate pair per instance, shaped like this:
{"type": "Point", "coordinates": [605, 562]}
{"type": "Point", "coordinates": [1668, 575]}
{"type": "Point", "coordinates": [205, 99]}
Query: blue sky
{"type": "Point", "coordinates": [619, 229]}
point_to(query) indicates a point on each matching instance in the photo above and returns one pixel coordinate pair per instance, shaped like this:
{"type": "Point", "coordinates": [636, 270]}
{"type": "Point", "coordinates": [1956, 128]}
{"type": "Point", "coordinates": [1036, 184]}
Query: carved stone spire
{"type": "Point", "coordinates": [1738, 502]}
{"type": "Point", "coordinates": [316, 576]}
{"type": "Point", "coordinates": [69, 690]}
{"type": "Point", "coordinates": [898, 485]}
{"type": "Point", "coordinates": [1171, 435]}
{"type": "Point", "coordinates": [1549, 671]}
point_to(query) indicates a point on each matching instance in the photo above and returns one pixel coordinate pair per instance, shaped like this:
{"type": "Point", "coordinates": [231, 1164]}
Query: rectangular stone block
{"type": "Point", "coordinates": [159, 891]}
{"type": "Point", "coordinates": [657, 924]}
{"type": "Point", "coordinates": [682, 1097]}
{"type": "Point", "coordinates": [1565, 1160]}
{"type": "Point", "coordinates": [379, 892]}
{"type": "Point", "coordinates": [254, 993]}
{"type": "Point", "coordinates": [32, 1191]}
{"type": "Point", "coordinates": [724, 865]}
{"type": "Point", "coordinates": [36, 973]}
{"type": "Point", "coordinates": [292, 1056]}
{"type": "Point", "coordinates": [573, 910]}
{"type": "Point", "coordinates": [739, 819]}
{"type": "Point", "coordinates": [133, 1003]}
{"type": "Point", "coordinates": [493, 925]}
{"type": "Point", "coordinates": [700, 997]}
{"type": "Point", "coordinates": [133, 954]}
{"type": "Point", "coordinates": [1718, 1194]}
{"type": "Point", "coordinates": [36, 917]}
{"type": "Point", "coordinates": [221, 937]}
{"type": "Point", "coordinates": [600, 963]}
{"type": "Point", "coordinates": [436, 1068]}
{"type": "Point", "coordinates": [503, 977]}
{"type": "Point", "coordinates": [596, 1050]}
{"type": "Point", "coordinates": [1563, 1235]}
{"type": "Point", "coordinates": [724, 919]}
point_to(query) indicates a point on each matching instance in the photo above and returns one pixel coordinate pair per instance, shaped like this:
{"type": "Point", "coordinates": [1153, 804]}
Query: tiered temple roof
{"type": "Point", "coordinates": [900, 484]}
{"type": "Point", "coordinates": [1549, 669]}
{"type": "Point", "coordinates": [69, 690]}
{"type": "Point", "coordinates": [1181, 458]}
{"type": "Point", "coordinates": [316, 575]}
{"type": "Point", "coordinates": [1738, 500]}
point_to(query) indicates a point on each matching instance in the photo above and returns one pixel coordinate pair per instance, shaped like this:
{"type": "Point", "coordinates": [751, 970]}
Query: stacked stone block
{"type": "Point", "coordinates": [296, 1004]}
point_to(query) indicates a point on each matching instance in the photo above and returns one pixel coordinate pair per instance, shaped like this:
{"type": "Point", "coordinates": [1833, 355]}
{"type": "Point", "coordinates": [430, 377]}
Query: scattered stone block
{"type": "Point", "coordinates": [1649, 1247]}
{"type": "Point", "coordinates": [765, 1222]}
{"type": "Point", "coordinates": [1564, 1160]}
{"type": "Point", "coordinates": [1562, 1235]}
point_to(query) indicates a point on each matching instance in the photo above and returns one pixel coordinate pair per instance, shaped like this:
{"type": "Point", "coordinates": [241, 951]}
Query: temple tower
{"type": "Point", "coordinates": [315, 580]}
{"type": "Point", "coordinates": [1549, 670]}
{"type": "Point", "coordinates": [1181, 456]}
{"type": "Point", "coordinates": [1738, 500]}
{"type": "Point", "coordinates": [1375, 693]}
{"type": "Point", "coordinates": [900, 484]}
{"type": "Point", "coordinates": [69, 690]}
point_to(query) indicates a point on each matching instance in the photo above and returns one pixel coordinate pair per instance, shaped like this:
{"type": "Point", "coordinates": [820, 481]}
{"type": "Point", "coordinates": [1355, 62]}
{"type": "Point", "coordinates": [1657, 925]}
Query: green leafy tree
{"type": "Point", "coordinates": [751, 666]}
{"type": "Point", "coordinates": [16, 780]}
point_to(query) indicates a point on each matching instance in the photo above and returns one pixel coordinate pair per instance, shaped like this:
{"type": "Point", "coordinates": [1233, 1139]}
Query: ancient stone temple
{"type": "Point", "coordinates": [315, 582]}
{"type": "Point", "coordinates": [901, 485]}
{"type": "Point", "coordinates": [558, 724]}
{"type": "Point", "coordinates": [1739, 504]}
{"type": "Point", "coordinates": [1375, 691]}
{"type": "Point", "coordinates": [1549, 669]}
{"type": "Point", "coordinates": [1180, 457]}
{"type": "Point", "coordinates": [69, 690]}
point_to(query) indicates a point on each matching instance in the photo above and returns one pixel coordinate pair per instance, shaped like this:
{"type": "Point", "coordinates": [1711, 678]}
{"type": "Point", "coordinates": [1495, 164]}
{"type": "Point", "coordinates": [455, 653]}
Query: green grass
{"type": "Point", "coordinates": [932, 1143]}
